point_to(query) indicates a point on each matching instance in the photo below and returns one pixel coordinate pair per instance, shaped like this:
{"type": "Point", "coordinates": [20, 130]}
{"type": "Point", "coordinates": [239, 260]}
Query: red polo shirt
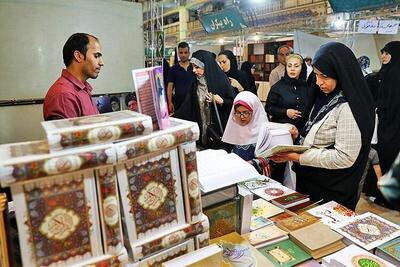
{"type": "Point", "coordinates": [68, 98]}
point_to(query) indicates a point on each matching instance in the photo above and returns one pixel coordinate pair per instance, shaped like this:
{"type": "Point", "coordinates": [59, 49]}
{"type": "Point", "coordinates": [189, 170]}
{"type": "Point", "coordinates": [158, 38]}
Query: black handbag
{"type": "Point", "coordinates": [215, 131]}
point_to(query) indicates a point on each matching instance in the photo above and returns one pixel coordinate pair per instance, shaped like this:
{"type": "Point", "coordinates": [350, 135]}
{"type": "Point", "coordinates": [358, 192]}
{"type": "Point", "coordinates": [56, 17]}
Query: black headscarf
{"type": "Point", "coordinates": [246, 68]}
{"type": "Point", "coordinates": [388, 99]}
{"type": "Point", "coordinates": [217, 83]}
{"type": "Point", "coordinates": [234, 71]}
{"type": "Point", "coordinates": [337, 61]}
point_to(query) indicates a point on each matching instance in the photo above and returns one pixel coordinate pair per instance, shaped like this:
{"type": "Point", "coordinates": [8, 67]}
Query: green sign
{"type": "Point", "coordinates": [226, 20]}
{"type": "Point", "coordinates": [356, 5]}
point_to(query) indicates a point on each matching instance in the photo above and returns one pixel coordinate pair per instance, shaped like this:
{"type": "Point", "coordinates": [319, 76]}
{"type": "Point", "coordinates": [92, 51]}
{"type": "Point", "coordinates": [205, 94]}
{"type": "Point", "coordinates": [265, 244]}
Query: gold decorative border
{"type": "Point", "coordinates": [3, 238]}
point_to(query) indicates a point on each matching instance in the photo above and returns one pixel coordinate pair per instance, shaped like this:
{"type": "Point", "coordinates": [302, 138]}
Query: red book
{"type": "Point", "coordinates": [291, 200]}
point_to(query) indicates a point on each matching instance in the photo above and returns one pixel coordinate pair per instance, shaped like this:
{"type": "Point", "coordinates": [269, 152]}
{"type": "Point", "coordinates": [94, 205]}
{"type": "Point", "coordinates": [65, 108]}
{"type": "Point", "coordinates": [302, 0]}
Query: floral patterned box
{"type": "Point", "coordinates": [21, 162]}
{"type": "Point", "coordinates": [96, 129]}
{"type": "Point", "coordinates": [179, 132]}
{"type": "Point", "coordinates": [151, 195]}
{"type": "Point", "coordinates": [57, 219]}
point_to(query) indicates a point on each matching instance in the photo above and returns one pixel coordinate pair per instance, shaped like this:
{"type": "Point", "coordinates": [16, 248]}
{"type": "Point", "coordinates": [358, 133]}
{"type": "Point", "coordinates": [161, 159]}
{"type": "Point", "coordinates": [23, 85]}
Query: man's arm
{"type": "Point", "coordinates": [170, 87]}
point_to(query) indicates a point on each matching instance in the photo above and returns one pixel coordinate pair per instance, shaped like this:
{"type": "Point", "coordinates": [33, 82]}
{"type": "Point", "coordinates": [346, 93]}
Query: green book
{"type": "Point", "coordinates": [284, 254]}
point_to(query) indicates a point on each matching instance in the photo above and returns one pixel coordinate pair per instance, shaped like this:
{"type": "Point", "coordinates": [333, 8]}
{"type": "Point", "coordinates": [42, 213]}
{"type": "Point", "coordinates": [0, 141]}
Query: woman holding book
{"type": "Point", "coordinates": [287, 98]}
{"type": "Point", "coordinates": [339, 127]}
{"type": "Point", "coordinates": [211, 85]}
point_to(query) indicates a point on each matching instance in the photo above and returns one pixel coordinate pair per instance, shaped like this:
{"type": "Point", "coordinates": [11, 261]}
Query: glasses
{"type": "Point", "coordinates": [244, 114]}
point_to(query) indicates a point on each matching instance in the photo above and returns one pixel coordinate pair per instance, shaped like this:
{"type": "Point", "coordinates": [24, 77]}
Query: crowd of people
{"type": "Point", "coordinates": [333, 104]}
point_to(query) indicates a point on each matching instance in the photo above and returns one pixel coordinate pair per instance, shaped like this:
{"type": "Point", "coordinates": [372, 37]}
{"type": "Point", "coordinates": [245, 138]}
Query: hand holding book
{"type": "Point", "coordinates": [284, 157]}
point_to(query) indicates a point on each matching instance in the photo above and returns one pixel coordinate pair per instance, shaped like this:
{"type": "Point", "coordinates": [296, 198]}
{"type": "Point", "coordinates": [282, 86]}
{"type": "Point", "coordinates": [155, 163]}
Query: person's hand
{"type": "Point", "coordinates": [236, 84]}
{"type": "Point", "coordinates": [293, 113]}
{"type": "Point", "coordinates": [209, 97]}
{"type": "Point", "coordinates": [284, 157]}
{"type": "Point", "coordinates": [171, 108]}
{"type": "Point", "coordinates": [218, 99]}
{"type": "Point", "coordinates": [294, 132]}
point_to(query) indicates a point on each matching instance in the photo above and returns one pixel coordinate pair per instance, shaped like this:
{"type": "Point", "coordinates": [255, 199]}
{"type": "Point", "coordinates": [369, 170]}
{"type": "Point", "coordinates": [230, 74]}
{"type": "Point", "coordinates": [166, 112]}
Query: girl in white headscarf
{"type": "Point", "coordinates": [246, 120]}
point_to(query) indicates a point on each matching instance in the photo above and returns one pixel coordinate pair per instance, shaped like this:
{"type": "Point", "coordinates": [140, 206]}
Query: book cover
{"type": "Point", "coordinates": [265, 209]}
{"type": "Point", "coordinates": [265, 234]}
{"type": "Point", "coordinates": [354, 256]}
{"type": "Point", "coordinates": [223, 218]}
{"type": "Point", "coordinates": [238, 252]}
{"type": "Point", "coordinates": [283, 149]}
{"type": "Point", "coordinates": [311, 263]}
{"type": "Point", "coordinates": [151, 94]}
{"type": "Point", "coordinates": [392, 248]}
{"type": "Point", "coordinates": [332, 214]}
{"type": "Point", "coordinates": [153, 199]}
{"type": "Point", "coordinates": [273, 191]}
{"type": "Point", "coordinates": [95, 129]}
{"type": "Point", "coordinates": [258, 222]}
{"type": "Point", "coordinates": [369, 230]}
{"type": "Point", "coordinates": [58, 216]}
{"type": "Point", "coordinates": [261, 181]}
{"type": "Point", "coordinates": [285, 254]}
{"type": "Point", "coordinates": [302, 207]}
{"type": "Point", "coordinates": [290, 200]}
{"type": "Point", "coordinates": [296, 222]}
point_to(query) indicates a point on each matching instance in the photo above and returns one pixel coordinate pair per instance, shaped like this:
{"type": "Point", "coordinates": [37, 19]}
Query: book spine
{"type": "Point", "coordinates": [190, 182]}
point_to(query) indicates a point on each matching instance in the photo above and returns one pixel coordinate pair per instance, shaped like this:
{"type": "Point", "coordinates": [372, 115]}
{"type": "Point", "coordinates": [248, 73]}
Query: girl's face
{"type": "Point", "coordinates": [325, 83]}
{"type": "Point", "coordinates": [293, 67]}
{"type": "Point", "coordinates": [386, 57]}
{"type": "Point", "coordinates": [197, 70]}
{"type": "Point", "coordinates": [224, 62]}
{"type": "Point", "coordinates": [242, 115]}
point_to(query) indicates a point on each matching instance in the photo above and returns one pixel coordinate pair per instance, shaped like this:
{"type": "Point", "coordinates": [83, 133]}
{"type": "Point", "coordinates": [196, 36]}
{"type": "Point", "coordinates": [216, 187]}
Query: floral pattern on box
{"type": "Point", "coordinates": [202, 240]}
{"type": "Point", "coordinates": [171, 239]}
{"type": "Point", "coordinates": [191, 182]}
{"type": "Point", "coordinates": [157, 143]}
{"type": "Point", "coordinates": [109, 203]}
{"type": "Point", "coordinates": [58, 219]}
{"type": "Point", "coordinates": [62, 164]}
{"type": "Point", "coordinates": [152, 194]}
{"type": "Point", "coordinates": [113, 261]}
{"type": "Point", "coordinates": [101, 134]}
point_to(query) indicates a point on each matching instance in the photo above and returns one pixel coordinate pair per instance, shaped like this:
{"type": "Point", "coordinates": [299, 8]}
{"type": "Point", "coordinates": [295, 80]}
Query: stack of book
{"type": "Point", "coordinates": [207, 256]}
{"type": "Point", "coordinates": [273, 191]}
{"type": "Point", "coordinates": [266, 236]}
{"type": "Point", "coordinates": [261, 211]}
{"type": "Point", "coordinates": [354, 256]}
{"type": "Point", "coordinates": [318, 240]}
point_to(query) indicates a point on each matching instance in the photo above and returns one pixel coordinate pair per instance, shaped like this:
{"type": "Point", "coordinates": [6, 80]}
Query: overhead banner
{"type": "Point", "coordinates": [356, 5]}
{"type": "Point", "coordinates": [368, 26]}
{"type": "Point", "coordinates": [228, 19]}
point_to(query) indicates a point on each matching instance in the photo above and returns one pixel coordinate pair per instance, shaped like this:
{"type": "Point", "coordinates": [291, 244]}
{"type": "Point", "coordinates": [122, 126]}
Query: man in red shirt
{"type": "Point", "coordinates": [70, 95]}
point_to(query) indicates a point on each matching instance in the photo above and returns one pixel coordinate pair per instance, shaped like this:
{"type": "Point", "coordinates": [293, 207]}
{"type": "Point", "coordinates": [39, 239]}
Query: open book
{"type": "Point", "coordinates": [273, 140]}
{"type": "Point", "coordinates": [151, 94]}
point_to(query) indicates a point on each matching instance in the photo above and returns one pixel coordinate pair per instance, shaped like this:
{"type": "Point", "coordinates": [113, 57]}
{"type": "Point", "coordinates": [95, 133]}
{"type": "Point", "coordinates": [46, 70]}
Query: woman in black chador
{"type": "Point", "coordinates": [211, 84]}
{"type": "Point", "coordinates": [339, 127]}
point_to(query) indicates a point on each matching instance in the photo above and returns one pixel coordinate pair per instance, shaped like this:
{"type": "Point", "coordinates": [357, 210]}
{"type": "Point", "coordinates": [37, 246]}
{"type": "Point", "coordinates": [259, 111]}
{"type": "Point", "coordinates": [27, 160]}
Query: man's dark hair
{"type": "Point", "coordinates": [76, 42]}
{"type": "Point", "coordinates": [183, 45]}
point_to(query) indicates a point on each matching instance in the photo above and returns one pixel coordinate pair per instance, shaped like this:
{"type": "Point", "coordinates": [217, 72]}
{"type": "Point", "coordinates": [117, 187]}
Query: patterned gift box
{"type": "Point", "coordinates": [151, 196]}
{"type": "Point", "coordinates": [179, 132]}
{"type": "Point", "coordinates": [25, 161]}
{"type": "Point", "coordinates": [190, 182]}
{"type": "Point", "coordinates": [96, 129]}
{"type": "Point", "coordinates": [57, 219]}
{"type": "Point", "coordinates": [169, 239]}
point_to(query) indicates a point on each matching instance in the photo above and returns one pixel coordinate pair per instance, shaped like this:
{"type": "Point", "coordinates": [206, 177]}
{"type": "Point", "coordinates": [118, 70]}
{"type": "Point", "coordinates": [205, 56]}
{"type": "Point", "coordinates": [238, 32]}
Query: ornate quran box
{"type": "Point", "coordinates": [96, 129]}
{"type": "Point", "coordinates": [68, 202]}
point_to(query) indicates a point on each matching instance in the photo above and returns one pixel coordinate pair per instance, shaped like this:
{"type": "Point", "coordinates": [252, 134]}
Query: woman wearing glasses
{"type": "Point", "coordinates": [244, 124]}
{"type": "Point", "coordinates": [287, 98]}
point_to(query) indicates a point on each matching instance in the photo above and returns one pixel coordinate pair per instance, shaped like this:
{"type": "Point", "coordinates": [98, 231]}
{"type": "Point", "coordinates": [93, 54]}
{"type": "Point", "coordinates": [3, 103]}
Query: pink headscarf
{"type": "Point", "coordinates": [245, 135]}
